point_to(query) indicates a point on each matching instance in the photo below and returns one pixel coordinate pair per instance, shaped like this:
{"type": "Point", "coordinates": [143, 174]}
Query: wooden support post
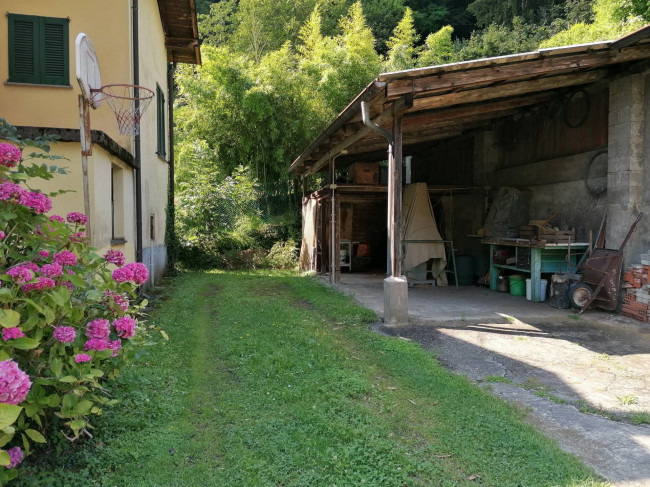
{"type": "Point", "coordinates": [395, 197]}
{"type": "Point", "coordinates": [333, 250]}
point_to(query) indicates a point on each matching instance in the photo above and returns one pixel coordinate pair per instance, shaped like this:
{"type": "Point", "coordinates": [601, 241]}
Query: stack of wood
{"type": "Point", "coordinates": [636, 300]}
{"type": "Point", "coordinates": [528, 231]}
{"type": "Point", "coordinates": [554, 235]}
{"type": "Point", "coordinates": [542, 230]}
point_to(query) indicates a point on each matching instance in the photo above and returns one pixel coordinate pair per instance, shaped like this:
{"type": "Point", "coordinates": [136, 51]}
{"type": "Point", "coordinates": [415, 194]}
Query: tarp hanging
{"type": "Point", "coordinates": [419, 223]}
{"type": "Point", "coordinates": [308, 247]}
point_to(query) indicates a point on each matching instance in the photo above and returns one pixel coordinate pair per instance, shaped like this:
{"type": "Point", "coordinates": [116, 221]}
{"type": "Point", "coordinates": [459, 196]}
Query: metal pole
{"type": "Point", "coordinates": [85, 139]}
{"type": "Point", "coordinates": [332, 224]}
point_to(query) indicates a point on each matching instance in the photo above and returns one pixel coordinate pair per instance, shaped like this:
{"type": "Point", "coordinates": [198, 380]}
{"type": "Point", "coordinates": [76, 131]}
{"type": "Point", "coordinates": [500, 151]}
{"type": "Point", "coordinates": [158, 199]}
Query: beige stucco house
{"type": "Point", "coordinates": [137, 42]}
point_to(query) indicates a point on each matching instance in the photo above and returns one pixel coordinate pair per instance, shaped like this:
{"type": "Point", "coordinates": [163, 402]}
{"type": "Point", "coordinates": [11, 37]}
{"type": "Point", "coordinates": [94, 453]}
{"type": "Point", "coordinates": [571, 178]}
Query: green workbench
{"type": "Point", "coordinates": [544, 258]}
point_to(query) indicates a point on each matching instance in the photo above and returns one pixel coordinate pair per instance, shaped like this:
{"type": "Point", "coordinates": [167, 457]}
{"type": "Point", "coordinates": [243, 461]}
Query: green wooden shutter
{"type": "Point", "coordinates": [55, 59]}
{"type": "Point", "coordinates": [160, 111]}
{"type": "Point", "coordinates": [23, 49]}
{"type": "Point", "coordinates": [38, 50]}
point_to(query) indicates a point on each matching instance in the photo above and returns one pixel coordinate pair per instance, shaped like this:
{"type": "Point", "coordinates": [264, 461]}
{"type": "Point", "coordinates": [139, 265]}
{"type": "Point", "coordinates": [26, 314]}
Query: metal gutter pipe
{"type": "Point", "coordinates": [138, 148]}
{"type": "Point", "coordinates": [333, 186]}
{"type": "Point", "coordinates": [171, 212]}
{"type": "Point", "coordinates": [367, 121]}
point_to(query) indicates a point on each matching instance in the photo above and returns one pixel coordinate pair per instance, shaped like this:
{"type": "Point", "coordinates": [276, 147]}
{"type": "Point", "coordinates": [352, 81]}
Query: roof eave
{"type": "Point", "coordinates": [181, 29]}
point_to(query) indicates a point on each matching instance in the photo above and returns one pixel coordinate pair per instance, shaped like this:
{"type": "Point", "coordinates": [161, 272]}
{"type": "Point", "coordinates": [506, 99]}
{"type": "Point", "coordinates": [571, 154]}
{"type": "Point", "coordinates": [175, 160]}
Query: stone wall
{"type": "Point", "coordinates": [629, 156]}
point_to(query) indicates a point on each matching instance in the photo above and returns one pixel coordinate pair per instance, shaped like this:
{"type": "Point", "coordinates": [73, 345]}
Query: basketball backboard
{"type": "Point", "coordinates": [87, 70]}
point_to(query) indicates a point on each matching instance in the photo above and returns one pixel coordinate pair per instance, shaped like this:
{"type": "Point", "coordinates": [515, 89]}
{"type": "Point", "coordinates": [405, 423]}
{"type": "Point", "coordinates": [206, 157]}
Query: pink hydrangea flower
{"type": "Point", "coordinates": [57, 218]}
{"type": "Point", "coordinates": [78, 237]}
{"type": "Point", "coordinates": [115, 345]}
{"type": "Point", "coordinates": [10, 191]}
{"type": "Point", "coordinates": [124, 326]}
{"type": "Point", "coordinates": [82, 357]}
{"type": "Point", "coordinates": [12, 333]}
{"type": "Point", "coordinates": [123, 274]}
{"type": "Point", "coordinates": [2, 235]}
{"type": "Point", "coordinates": [9, 155]}
{"type": "Point", "coordinates": [68, 284]}
{"type": "Point", "coordinates": [52, 270]}
{"type": "Point", "coordinates": [96, 344]}
{"type": "Point", "coordinates": [65, 257]}
{"type": "Point", "coordinates": [44, 253]}
{"type": "Point", "coordinates": [115, 257]}
{"type": "Point", "coordinates": [140, 272]}
{"type": "Point", "coordinates": [99, 328]}
{"type": "Point", "coordinates": [76, 217]}
{"type": "Point", "coordinates": [32, 266]}
{"type": "Point", "coordinates": [64, 334]}
{"type": "Point", "coordinates": [15, 455]}
{"type": "Point", "coordinates": [119, 300]}
{"type": "Point", "coordinates": [20, 274]}
{"type": "Point", "coordinates": [38, 202]}
{"type": "Point", "coordinates": [14, 383]}
{"type": "Point", "coordinates": [40, 284]}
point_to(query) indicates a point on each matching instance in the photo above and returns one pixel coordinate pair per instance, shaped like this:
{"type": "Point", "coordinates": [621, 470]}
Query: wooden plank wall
{"type": "Point", "coordinates": [542, 133]}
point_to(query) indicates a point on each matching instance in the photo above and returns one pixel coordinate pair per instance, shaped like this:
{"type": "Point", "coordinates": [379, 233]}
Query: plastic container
{"type": "Point", "coordinates": [502, 284]}
{"type": "Point", "coordinates": [542, 289]}
{"type": "Point", "coordinates": [517, 285]}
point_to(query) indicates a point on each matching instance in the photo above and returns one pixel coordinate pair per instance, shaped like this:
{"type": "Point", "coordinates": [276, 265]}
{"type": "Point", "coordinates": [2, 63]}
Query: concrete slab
{"type": "Point", "coordinates": [581, 378]}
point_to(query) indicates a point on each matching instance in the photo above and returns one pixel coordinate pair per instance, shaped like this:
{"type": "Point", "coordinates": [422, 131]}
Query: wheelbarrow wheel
{"type": "Point", "coordinates": [580, 295]}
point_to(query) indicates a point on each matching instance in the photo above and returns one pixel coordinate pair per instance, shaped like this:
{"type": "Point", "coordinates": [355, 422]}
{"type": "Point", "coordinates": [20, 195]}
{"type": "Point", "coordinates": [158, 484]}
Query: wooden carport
{"type": "Point", "coordinates": [440, 102]}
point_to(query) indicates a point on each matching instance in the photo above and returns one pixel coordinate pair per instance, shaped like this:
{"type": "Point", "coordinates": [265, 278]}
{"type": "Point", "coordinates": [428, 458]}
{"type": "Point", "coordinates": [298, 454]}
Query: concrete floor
{"type": "Point", "coordinates": [571, 373]}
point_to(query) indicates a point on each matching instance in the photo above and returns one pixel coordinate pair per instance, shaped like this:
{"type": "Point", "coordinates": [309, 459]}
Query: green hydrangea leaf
{"type": "Point", "coordinates": [8, 414]}
{"type": "Point", "coordinates": [9, 318]}
{"type": "Point", "coordinates": [35, 436]}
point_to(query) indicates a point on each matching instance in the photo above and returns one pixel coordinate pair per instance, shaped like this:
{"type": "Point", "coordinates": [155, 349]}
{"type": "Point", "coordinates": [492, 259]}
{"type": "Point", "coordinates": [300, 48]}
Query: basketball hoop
{"type": "Point", "coordinates": [128, 103]}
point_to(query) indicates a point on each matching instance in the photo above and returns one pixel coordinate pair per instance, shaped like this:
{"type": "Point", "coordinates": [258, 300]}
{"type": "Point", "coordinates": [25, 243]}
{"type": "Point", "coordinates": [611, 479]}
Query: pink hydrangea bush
{"type": "Point", "coordinates": [67, 316]}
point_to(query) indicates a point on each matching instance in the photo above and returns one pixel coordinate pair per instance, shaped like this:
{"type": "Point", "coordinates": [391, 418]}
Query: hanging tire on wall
{"type": "Point", "coordinates": [579, 295]}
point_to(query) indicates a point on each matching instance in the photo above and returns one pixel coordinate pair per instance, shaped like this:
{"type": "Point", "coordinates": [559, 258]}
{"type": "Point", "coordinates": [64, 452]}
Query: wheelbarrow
{"type": "Point", "coordinates": [601, 276]}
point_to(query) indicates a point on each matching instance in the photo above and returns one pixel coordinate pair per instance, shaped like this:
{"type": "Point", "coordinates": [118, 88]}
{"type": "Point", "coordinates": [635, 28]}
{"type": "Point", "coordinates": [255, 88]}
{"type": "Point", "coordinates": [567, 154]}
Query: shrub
{"type": "Point", "coordinates": [65, 317]}
{"type": "Point", "coordinates": [283, 255]}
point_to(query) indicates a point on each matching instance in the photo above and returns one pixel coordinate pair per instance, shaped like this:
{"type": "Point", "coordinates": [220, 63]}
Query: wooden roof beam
{"type": "Point", "coordinates": [517, 71]}
{"type": "Point", "coordinates": [505, 90]}
{"type": "Point", "coordinates": [491, 109]}
{"type": "Point", "coordinates": [398, 106]}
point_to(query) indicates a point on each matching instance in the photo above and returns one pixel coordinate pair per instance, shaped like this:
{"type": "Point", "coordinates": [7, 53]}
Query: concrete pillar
{"type": "Point", "coordinates": [629, 108]}
{"type": "Point", "coordinates": [396, 305]}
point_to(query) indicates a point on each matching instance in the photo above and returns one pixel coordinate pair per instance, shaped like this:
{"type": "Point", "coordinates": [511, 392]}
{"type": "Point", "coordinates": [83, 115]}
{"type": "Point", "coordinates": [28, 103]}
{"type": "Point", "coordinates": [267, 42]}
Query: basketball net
{"type": "Point", "coordinates": [128, 103]}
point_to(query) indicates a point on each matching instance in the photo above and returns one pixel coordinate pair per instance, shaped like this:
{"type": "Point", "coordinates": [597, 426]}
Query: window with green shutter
{"type": "Point", "coordinates": [160, 111]}
{"type": "Point", "coordinates": [38, 50]}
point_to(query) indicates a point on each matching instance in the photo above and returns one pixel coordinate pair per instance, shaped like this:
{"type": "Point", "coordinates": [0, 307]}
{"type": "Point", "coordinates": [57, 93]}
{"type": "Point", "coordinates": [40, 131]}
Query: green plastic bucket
{"type": "Point", "coordinates": [517, 285]}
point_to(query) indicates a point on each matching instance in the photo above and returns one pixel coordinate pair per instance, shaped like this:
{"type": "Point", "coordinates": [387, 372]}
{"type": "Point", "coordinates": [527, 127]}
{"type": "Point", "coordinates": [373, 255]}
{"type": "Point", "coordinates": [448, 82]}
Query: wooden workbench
{"type": "Point", "coordinates": [544, 257]}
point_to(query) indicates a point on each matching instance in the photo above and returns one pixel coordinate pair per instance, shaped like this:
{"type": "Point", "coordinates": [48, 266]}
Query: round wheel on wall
{"type": "Point", "coordinates": [580, 295]}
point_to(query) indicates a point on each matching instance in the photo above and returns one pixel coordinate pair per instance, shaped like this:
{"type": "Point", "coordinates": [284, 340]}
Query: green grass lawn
{"type": "Point", "coordinates": [270, 379]}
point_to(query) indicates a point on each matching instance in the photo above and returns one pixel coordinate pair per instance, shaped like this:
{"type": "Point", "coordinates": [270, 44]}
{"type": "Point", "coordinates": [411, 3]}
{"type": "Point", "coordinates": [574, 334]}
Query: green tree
{"type": "Point", "coordinates": [383, 16]}
{"type": "Point", "coordinates": [438, 48]}
{"type": "Point", "coordinates": [499, 40]}
{"type": "Point", "coordinates": [503, 12]}
{"type": "Point", "coordinates": [402, 49]}
{"type": "Point", "coordinates": [633, 8]}
{"type": "Point", "coordinates": [610, 22]}
{"type": "Point", "coordinates": [218, 25]}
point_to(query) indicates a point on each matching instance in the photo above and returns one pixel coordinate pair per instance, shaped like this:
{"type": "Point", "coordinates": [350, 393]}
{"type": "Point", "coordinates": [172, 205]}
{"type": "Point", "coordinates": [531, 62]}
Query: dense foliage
{"type": "Point", "coordinates": [66, 314]}
{"type": "Point", "coordinates": [275, 72]}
